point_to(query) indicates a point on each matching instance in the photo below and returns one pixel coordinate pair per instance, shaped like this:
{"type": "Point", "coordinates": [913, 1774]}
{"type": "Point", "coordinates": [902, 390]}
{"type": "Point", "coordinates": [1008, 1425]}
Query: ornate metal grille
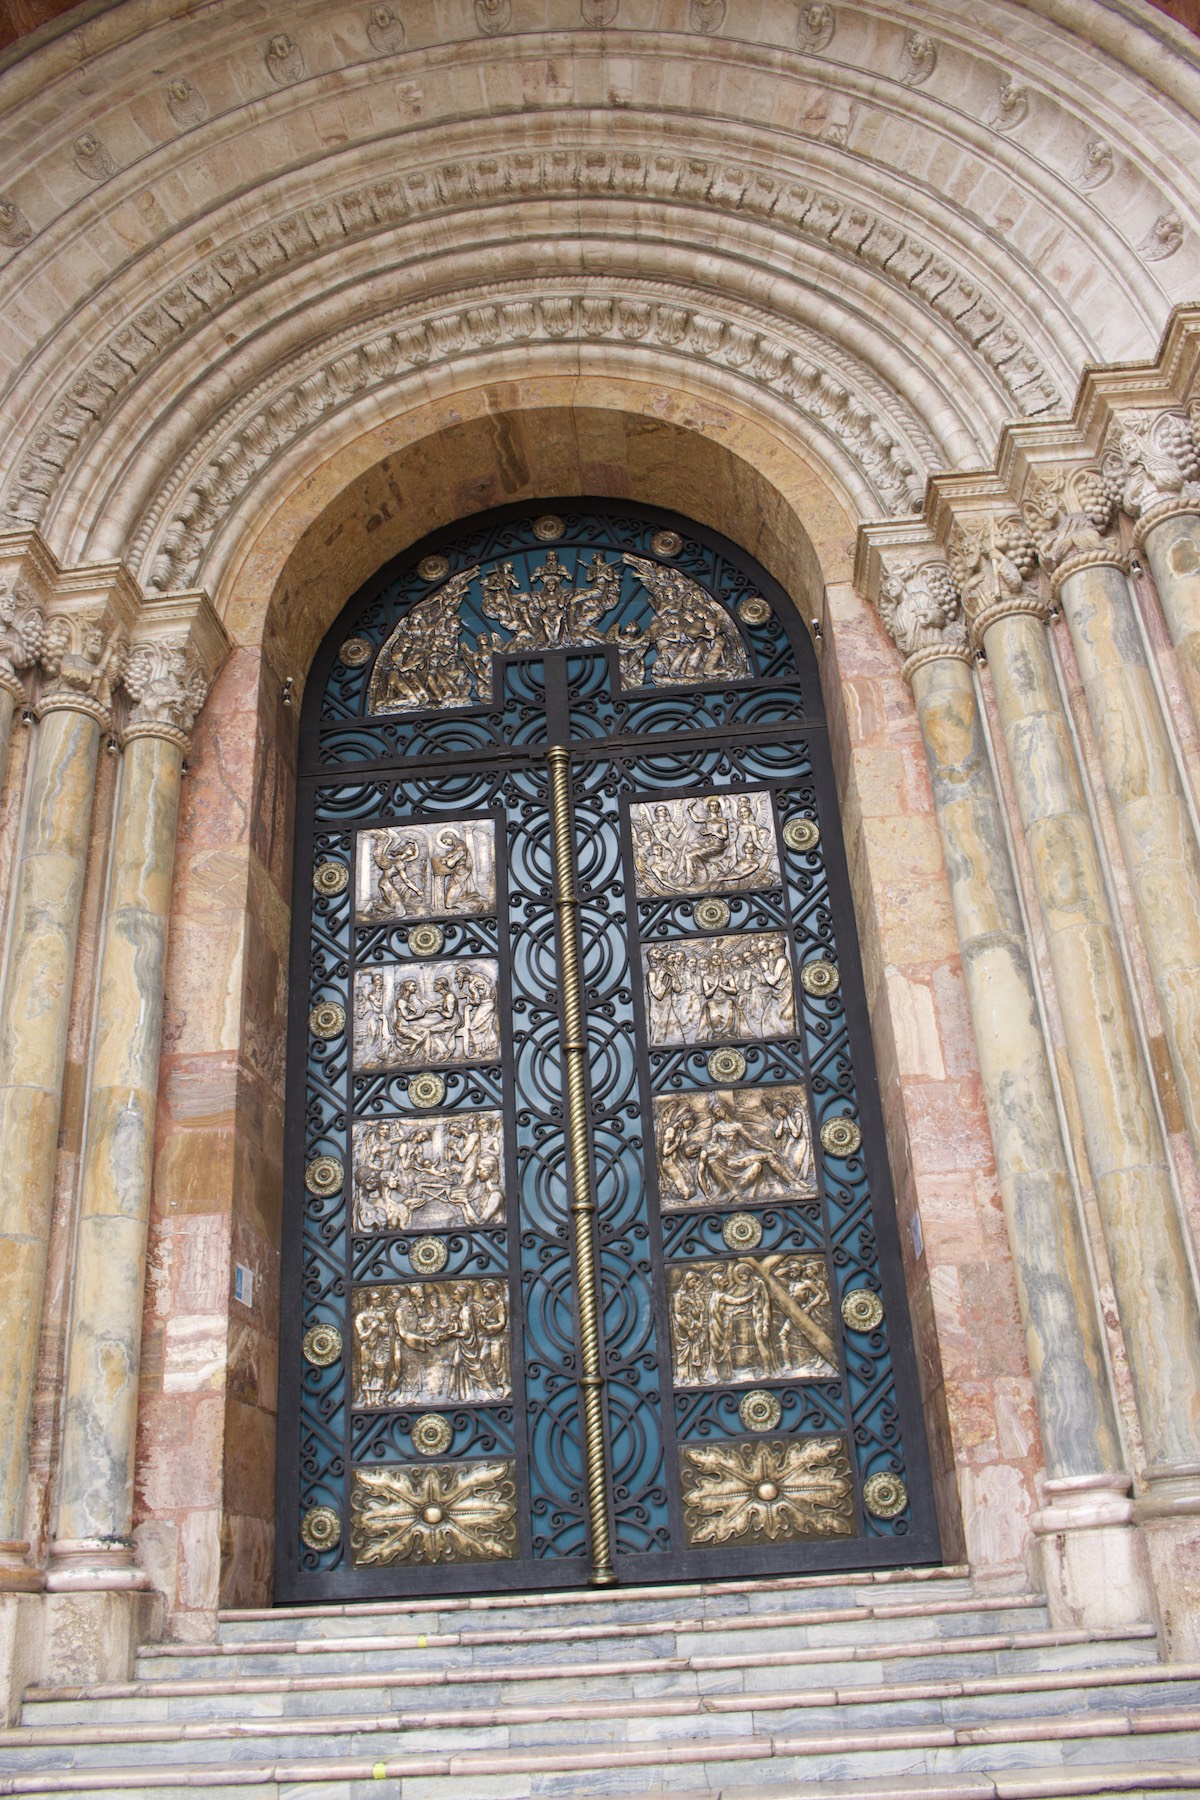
{"type": "Point", "coordinates": [591, 1268]}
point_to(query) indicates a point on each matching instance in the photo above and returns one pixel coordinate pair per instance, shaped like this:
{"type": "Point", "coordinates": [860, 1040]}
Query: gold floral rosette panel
{"type": "Point", "coordinates": [751, 1318]}
{"type": "Point", "coordinates": [767, 1492]}
{"type": "Point", "coordinates": [434, 1512]}
{"type": "Point", "coordinates": [434, 1343]}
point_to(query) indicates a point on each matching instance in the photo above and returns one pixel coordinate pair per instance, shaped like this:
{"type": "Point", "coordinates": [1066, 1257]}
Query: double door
{"type": "Point", "coordinates": [592, 1272]}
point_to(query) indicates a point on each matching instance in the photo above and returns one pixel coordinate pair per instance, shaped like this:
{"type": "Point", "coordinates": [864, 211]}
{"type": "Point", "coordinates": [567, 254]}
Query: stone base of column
{"type": "Point", "coordinates": [94, 1637]}
{"type": "Point", "coordinates": [1169, 1516]}
{"type": "Point", "coordinates": [1093, 1563]}
{"type": "Point", "coordinates": [22, 1618]}
{"type": "Point", "coordinates": [16, 1576]}
{"type": "Point", "coordinates": [93, 1566]}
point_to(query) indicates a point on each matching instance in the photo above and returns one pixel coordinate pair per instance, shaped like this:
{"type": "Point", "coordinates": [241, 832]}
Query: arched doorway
{"type": "Point", "coordinates": [591, 1269]}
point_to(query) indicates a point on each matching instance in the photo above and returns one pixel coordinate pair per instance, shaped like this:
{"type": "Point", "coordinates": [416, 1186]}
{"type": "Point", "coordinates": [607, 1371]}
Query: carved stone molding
{"type": "Point", "coordinates": [204, 490]}
{"type": "Point", "coordinates": [993, 561]}
{"type": "Point", "coordinates": [1152, 460]}
{"type": "Point", "coordinates": [800, 210]}
{"type": "Point", "coordinates": [167, 686]}
{"type": "Point", "coordinates": [22, 636]}
{"type": "Point", "coordinates": [1068, 514]}
{"type": "Point", "coordinates": [921, 611]}
{"type": "Point", "coordinates": [82, 656]}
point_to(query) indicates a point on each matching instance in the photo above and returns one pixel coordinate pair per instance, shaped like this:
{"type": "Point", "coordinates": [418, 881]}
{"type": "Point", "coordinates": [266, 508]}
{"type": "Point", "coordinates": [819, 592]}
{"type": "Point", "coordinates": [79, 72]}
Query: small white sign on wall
{"type": "Point", "coordinates": [243, 1284]}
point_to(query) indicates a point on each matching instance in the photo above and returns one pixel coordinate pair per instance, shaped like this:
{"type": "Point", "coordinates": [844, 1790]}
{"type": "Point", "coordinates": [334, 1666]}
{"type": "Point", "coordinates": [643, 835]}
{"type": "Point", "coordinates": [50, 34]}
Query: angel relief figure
{"type": "Point", "coordinates": [691, 634]}
{"type": "Point", "coordinates": [422, 663]}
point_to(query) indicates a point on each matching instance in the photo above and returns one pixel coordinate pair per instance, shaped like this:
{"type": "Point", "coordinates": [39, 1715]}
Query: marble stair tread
{"type": "Point", "coordinates": [294, 1619]}
{"type": "Point", "coordinates": [799, 1754]}
{"type": "Point", "coordinates": [903, 1614]}
{"type": "Point", "coordinates": [1053, 1782]}
{"type": "Point", "coordinates": [1073, 1648]}
{"type": "Point", "coordinates": [1103, 1687]}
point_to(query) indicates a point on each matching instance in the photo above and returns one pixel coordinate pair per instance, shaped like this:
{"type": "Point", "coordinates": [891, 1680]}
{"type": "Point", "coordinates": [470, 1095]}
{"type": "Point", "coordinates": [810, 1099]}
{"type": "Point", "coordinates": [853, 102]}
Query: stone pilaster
{"type": "Point", "coordinates": [1125, 1148]}
{"type": "Point", "coordinates": [1089, 1555]}
{"type": "Point", "coordinates": [166, 676]}
{"type": "Point", "coordinates": [80, 657]}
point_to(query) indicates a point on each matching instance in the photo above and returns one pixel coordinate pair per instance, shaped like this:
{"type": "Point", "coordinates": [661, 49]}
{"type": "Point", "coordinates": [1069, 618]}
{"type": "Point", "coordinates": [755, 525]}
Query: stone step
{"type": "Point", "coordinates": [1022, 1657]}
{"type": "Point", "coordinates": [1159, 1736]}
{"type": "Point", "coordinates": [519, 1610]}
{"type": "Point", "coordinates": [904, 1621]}
{"type": "Point", "coordinates": [782, 1707]}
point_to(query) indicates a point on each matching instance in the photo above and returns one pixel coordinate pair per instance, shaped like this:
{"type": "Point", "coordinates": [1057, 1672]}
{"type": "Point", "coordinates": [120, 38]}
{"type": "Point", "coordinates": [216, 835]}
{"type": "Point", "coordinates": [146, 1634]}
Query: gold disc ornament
{"type": "Point", "coordinates": [862, 1309]}
{"type": "Point", "coordinates": [433, 568]}
{"type": "Point", "coordinates": [355, 652]}
{"type": "Point", "coordinates": [754, 610]}
{"type": "Point", "coordinates": [711, 914]}
{"type": "Point", "coordinates": [742, 1231]}
{"type": "Point", "coordinates": [801, 834]}
{"type": "Point", "coordinates": [321, 1528]}
{"type": "Point", "coordinates": [548, 527]}
{"type": "Point", "coordinates": [726, 1064]}
{"type": "Point", "coordinates": [820, 979]}
{"type": "Point", "coordinates": [427, 1089]}
{"type": "Point", "coordinates": [759, 1411]}
{"type": "Point", "coordinates": [884, 1495]}
{"type": "Point", "coordinates": [324, 1175]}
{"type": "Point", "coordinates": [322, 1345]}
{"type": "Point", "coordinates": [666, 543]}
{"type": "Point", "coordinates": [428, 1255]}
{"type": "Point", "coordinates": [431, 1434]}
{"type": "Point", "coordinates": [327, 1020]}
{"type": "Point", "coordinates": [840, 1137]}
{"type": "Point", "coordinates": [330, 878]}
{"type": "Point", "coordinates": [426, 940]}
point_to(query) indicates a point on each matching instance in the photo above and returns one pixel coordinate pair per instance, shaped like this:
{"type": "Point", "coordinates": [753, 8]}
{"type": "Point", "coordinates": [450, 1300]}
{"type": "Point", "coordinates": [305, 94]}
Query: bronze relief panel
{"type": "Point", "coordinates": [434, 1513]}
{"type": "Point", "coordinates": [733, 1146]}
{"type": "Point", "coordinates": [410, 1015]}
{"type": "Point", "coordinates": [432, 1343]}
{"type": "Point", "coordinates": [428, 1174]}
{"type": "Point", "coordinates": [707, 990]}
{"type": "Point", "coordinates": [768, 1492]}
{"type": "Point", "coordinates": [713, 843]}
{"type": "Point", "coordinates": [753, 1318]}
{"type": "Point", "coordinates": [425, 871]}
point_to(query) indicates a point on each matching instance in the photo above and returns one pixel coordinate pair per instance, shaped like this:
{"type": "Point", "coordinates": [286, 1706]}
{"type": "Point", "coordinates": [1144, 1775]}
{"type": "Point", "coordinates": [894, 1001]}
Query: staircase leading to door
{"type": "Point", "coordinates": [904, 1684]}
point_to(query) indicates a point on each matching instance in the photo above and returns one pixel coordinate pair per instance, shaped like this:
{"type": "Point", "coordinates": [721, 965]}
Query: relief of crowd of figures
{"type": "Point", "coordinates": [436, 1342]}
{"type": "Point", "coordinates": [720, 842]}
{"type": "Point", "coordinates": [705, 990]}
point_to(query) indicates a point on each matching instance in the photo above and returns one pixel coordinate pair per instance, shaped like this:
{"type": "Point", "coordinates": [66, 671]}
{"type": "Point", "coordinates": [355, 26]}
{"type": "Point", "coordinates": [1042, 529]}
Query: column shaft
{"type": "Point", "coordinates": [8, 707]}
{"type": "Point", "coordinates": [1063, 1335]}
{"type": "Point", "coordinates": [1124, 1143]}
{"type": "Point", "coordinates": [33, 1039]}
{"type": "Point", "coordinates": [1171, 541]}
{"type": "Point", "coordinates": [100, 1413]}
{"type": "Point", "coordinates": [1149, 803]}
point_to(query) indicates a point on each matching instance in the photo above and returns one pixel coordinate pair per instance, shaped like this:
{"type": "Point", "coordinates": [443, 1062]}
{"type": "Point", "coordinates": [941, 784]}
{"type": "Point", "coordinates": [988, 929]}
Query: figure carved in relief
{"type": "Point", "coordinates": [432, 1342]}
{"type": "Point", "coordinates": [691, 634]}
{"type": "Point", "coordinates": [726, 1146]}
{"type": "Point", "coordinates": [752, 1318]}
{"type": "Point", "coordinates": [421, 665]}
{"type": "Point", "coordinates": [411, 1014]}
{"type": "Point", "coordinates": [428, 1173]}
{"type": "Point", "coordinates": [553, 614]}
{"type": "Point", "coordinates": [705, 844]}
{"type": "Point", "coordinates": [416, 871]}
{"type": "Point", "coordinates": [702, 990]}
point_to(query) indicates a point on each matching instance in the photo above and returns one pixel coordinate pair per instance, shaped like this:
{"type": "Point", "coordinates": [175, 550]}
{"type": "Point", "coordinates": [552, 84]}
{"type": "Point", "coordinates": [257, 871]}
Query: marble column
{"type": "Point", "coordinates": [22, 632]}
{"type": "Point", "coordinates": [1170, 538]}
{"type": "Point", "coordinates": [92, 1550]}
{"type": "Point", "coordinates": [1090, 1556]}
{"type": "Point", "coordinates": [1125, 1148]}
{"type": "Point", "coordinates": [72, 713]}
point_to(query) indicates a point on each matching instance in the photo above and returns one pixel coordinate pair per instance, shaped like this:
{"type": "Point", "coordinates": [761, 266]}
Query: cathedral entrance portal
{"type": "Point", "coordinates": [591, 1270]}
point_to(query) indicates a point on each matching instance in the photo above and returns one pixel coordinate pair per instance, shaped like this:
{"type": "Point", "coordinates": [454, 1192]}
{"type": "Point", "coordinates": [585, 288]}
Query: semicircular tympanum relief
{"type": "Point", "coordinates": [587, 1182]}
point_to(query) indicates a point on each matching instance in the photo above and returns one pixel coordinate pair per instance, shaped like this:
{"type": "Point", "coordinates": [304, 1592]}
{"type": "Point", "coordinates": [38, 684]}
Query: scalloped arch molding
{"type": "Point", "coordinates": [882, 230]}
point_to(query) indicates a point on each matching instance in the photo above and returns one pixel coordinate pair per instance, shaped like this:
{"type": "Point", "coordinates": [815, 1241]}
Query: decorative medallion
{"type": "Point", "coordinates": [733, 1146]}
{"type": "Point", "coordinates": [431, 1434]}
{"type": "Point", "coordinates": [767, 1493]}
{"type": "Point", "coordinates": [427, 1256]}
{"type": "Point", "coordinates": [330, 878]}
{"type": "Point", "coordinates": [666, 543]}
{"type": "Point", "coordinates": [801, 834]}
{"type": "Point", "coordinates": [841, 1137]}
{"type": "Point", "coordinates": [426, 940]}
{"type": "Point", "coordinates": [757, 1318]}
{"type": "Point", "coordinates": [355, 652]}
{"type": "Point", "coordinates": [324, 1175]}
{"type": "Point", "coordinates": [726, 1064]}
{"type": "Point", "coordinates": [429, 1174]}
{"type": "Point", "coordinates": [862, 1309]}
{"type": "Point", "coordinates": [328, 1020]}
{"type": "Point", "coordinates": [321, 1528]}
{"type": "Point", "coordinates": [427, 1089]}
{"type": "Point", "coordinates": [432, 1343]}
{"type": "Point", "coordinates": [820, 979]}
{"type": "Point", "coordinates": [322, 1345]}
{"type": "Point", "coordinates": [742, 1231]}
{"type": "Point", "coordinates": [433, 568]}
{"type": "Point", "coordinates": [754, 610]}
{"type": "Point", "coordinates": [706, 990]}
{"type": "Point", "coordinates": [711, 915]}
{"type": "Point", "coordinates": [434, 1513]}
{"type": "Point", "coordinates": [548, 527]}
{"type": "Point", "coordinates": [759, 1411]}
{"type": "Point", "coordinates": [709, 841]}
{"type": "Point", "coordinates": [884, 1495]}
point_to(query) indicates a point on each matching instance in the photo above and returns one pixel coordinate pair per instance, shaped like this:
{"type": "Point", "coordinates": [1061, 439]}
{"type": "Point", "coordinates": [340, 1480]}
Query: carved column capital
{"type": "Point", "coordinates": [167, 683]}
{"type": "Point", "coordinates": [1068, 514]}
{"type": "Point", "coordinates": [1152, 460]}
{"type": "Point", "coordinates": [81, 659]}
{"type": "Point", "coordinates": [921, 613]}
{"type": "Point", "coordinates": [993, 561]}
